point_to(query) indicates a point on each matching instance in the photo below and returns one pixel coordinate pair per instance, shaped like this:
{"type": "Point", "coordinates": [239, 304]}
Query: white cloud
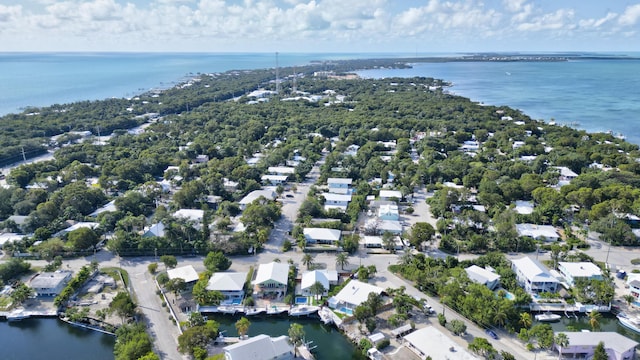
{"type": "Point", "coordinates": [558, 20]}
{"type": "Point", "coordinates": [630, 16]}
{"type": "Point", "coordinates": [597, 23]}
{"type": "Point", "coordinates": [514, 5]}
{"type": "Point", "coordinates": [9, 13]}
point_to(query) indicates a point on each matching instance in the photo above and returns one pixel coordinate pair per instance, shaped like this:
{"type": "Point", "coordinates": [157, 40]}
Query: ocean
{"type": "Point", "coordinates": [595, 95]}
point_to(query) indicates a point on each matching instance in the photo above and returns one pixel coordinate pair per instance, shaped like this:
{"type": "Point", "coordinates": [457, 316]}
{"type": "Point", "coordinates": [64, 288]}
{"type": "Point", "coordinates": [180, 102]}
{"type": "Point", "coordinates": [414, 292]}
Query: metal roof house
{"type": "Point", "coordinates": [272, 277]}
{"type": "Point", "coordinates": [538, 232]}
{"type": "Point", "coordinates": [229, 284]}
{"type": "Point", "coordinates": [186, 273]}
{"type": "Point", "coordinates": [582, 345]}
{"type": "Point", "coordinates": [353, 294]}
{"type": "Point", "coordinates": [260, 347]}
{"type": "Point", "coordinates": [483, 276]}
{"type": "Point", "coordinates": [322, 236]}
{"type": "Point", "coordinates": [432, 342]}
{"type": "Point", "coordinates": [268, 194]}
{"type": "Point", "coordinates": [533, 276]}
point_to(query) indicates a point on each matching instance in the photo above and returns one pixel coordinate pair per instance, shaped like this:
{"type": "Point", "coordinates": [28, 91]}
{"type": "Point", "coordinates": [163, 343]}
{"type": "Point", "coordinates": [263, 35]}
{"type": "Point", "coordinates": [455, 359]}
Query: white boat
{"type": "Point", "coordinates": [548, 317]}
{"type": "Point", "coordinates": [629, 323]}
{"type": "Point", "coordinates": [254, 311]}
{"type": "Point", "coordinates": [227, 309]}
{"type": "Point", "coordinates": [302, 310]}
{"type": "Point", "coordinates": [274, 310]}
{"type": "Point", "coordinates": [326, 315]}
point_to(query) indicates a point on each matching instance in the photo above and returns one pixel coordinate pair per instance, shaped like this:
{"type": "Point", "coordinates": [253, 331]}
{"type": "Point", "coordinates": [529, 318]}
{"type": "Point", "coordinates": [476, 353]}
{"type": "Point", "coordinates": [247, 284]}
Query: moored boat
{"type": "Point", "coordinates": [629, 323]}
{"type": "Point", "coordinates": [548, 317]}
{"type": "Point", "coordinates": [303, 310]}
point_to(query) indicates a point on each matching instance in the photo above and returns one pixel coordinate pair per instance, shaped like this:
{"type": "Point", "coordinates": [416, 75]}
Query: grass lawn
{"type": "Point", "coordinates": [5, 303]}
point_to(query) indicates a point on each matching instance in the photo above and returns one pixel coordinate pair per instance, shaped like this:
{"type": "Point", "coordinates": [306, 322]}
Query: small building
{"type": "Point", "coordinates": [311, 277]}
{"type": "Point", "coordinates": [268, 194]}
{"type": "Point", "coordinates": [353, 294]}
{"type": "Point", "coordinates": [194, 215]}
{"type": "Point", "coordinates": [186, 273]}
{"type": "Point", "coordinates": [523, 207]}
{"type": "Point", "coordinates": [50, 283]}
{"type": "Point", "coordinates": [230, 185]}
{"type": "Point", "coordinates": [155, 230]}
{"type": "Point", "coordinates": [76, 226]}
{"type": "Point", "coordinates": [573, 271]}
{"type": "Point", "coordinates": [483, 276]}
{"type": "Point", "coordinates": [339, 185]}
{"type": "Point", "coordinates": [229, 284]}
{"type": "Point", "coordinates": [538, 232]}
{"type": "Point", "coordinates": [566, 174]}
{"type": "Point", "coordinates": [10, 238]}
{"type": "Point", "coordinates": [634, 288]}
{"type": "Point", "coordinates": [389, 212]}
{"type": "Point", "coordinates": [582, 345]}
{"type": "Point", "coordinates": [432, 342]}
{"type": "Point", "coordinates": [372, 242]}
{"type": "Point", "coordinates": [533, 276]}
{"type": "Point", "coordinates": [110, 206]}
{"type": "Point", "coordinates": [336, 201]}
{"type": "Point", "coordinates": [322, 236]}
{"type": "Point", "coordinates": [390, 194]}
{"type": "Point", "coordinates": [260, 347]}
{"type": "Point", "coordinates": [272, 278]}
{"type": "Point", "coordinates": [281, 170]}
{"type": "Point", "coordinates": [274, 179]}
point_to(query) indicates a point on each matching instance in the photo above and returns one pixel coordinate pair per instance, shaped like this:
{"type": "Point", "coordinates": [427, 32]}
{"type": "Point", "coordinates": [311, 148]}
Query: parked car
{"type": "Point", "coordinates": [492, 334]}
{"type": "Point", "coordinates": [289, 195]}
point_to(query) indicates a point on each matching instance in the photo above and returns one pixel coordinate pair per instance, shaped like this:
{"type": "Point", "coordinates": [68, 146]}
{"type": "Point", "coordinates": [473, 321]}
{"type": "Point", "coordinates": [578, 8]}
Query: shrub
{"type": "Point", "coordinates": [383, 344]}
{"type": "Point", "coordinates": [153, 267]}
{"type": "Point", "coordinates": [442, 320]}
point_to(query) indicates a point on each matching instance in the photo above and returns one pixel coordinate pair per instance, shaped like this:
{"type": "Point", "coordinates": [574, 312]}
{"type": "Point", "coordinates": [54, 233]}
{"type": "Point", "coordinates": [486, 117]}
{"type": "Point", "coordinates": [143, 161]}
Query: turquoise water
{"type": "Point", "coordinates": [346, 311]}
{"type": "Point", "coordinates": [595, 95]}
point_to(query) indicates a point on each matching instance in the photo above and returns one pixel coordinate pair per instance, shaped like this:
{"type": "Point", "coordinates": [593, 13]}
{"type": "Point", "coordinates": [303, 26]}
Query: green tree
{"type": "Point", "coordinates": [296, 335]}
{"type": "Point", "coordinates": [176, 286]}
{"type": "Point", "coordinates": [525, 320]}
{"type": "Point", "coordinates": [197, 337]}
{"type": "Point", "coordinates": [342, 259]}
{"type": "Point", "coordinates": [420, 233]}
{"type": "Point", "coordinates": [153, 267]}
{"type": "Point", "coordinates": [216, 261]}
{"type": "Point", "coordinates": [594, 320]}
{"type": "Point", "coordinates": [169, 261]}
{"type": "Point", "coordinates": [123, 306]}
{"type": "Point", "coordinates": [307, 260]}
{"type": "Point", "coordinates": [132, 343]}
{"type": "Point", "coordinates": [82, 239]}
{"type": "Point", "coordinates": [600, 353]}
{"type": "Point", "coordinates": [21, 293]}
{"type": "Point", "coordinates": [317, 289]}
{"type": "Point", "coordinates": [242, 326]}
{"type": "Point", "coordinates": [482, 346]}
{"type": "Point", "coordinates": [562, 341]}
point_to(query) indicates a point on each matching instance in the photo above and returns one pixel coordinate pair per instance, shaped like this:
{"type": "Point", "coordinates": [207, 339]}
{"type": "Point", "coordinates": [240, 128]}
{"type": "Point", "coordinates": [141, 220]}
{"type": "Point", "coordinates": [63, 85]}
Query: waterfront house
{"type": "Point", "coordinates": [582, 345]}
{"type": "Point", "coordinates": [432, 342]}
{"type": "Point", "coordinates": [573, 271]}
{"type": "Point", "coordinates": [272, 278]}
{"type": "Point", "coordinates": [538, 232]}
{"type": "Point", "coordinates": [533, 276]}
{"type": "Point", "coordinates": [634, 288]}
{"type": "Point", "coordinates": [260, 347]}
{"type": "Point", "coordinates": [483, 276]}
{"type": "Point", "coordinates": [322, 236]}
{"type": "Point", "coordinates": [186, 273]}
{"type": "Point", "coordinates": [336, 201]}
{"type": "Point", "coordinates": [50, 283]}
{"type": "Point", "coordinates": [229, 284]}
{"type": "Point", "coordinates": [353, 294]}
{"type": "Point", "coordinates": [311, 277]}
{"type": "Point", "coordinates": [268, 194]}
{"type": "Point", "coordinates": [339, 185]}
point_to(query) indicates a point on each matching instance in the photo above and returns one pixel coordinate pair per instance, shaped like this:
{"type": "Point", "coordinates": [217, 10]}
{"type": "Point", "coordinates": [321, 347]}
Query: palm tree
{"type": "Point", "coordinates": [342, 259]}
{"type": "Point", "coordinates": [562, 340]}
{"type": "Point", "coordinates": [296, 334]}
{"type": "Point", "coordinates": [594, 319]}
{"type": "Point", "coordinates": [307, 260]}
{"type": "Point", "coordinates": [242, 326]}
{"type": "Point", "coordinates": [317, 289]}
{"type": "Point", "coordinates": [629, 299]}
{"type": "Point", "coordinates": [500, 316]}
{"type": "Point", "coordinates": [525, 320]}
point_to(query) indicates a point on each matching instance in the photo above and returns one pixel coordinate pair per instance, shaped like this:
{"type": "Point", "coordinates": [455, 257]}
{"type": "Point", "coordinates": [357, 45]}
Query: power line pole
{"type": "Point", "coordinates": [24, 157]}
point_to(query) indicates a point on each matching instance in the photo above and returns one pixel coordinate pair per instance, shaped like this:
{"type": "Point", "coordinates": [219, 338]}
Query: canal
{"type": "Point", "coordinates": [331, 344]}
{"type": "Point", "coordinates": [608, 322]}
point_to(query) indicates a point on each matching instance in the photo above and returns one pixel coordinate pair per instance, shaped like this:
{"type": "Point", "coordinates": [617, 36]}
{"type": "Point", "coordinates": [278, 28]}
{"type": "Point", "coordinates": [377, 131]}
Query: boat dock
{"type": "Point", "coordinates": [21, 313]}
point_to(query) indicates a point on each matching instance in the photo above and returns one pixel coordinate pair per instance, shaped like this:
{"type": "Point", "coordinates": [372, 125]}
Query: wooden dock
{"type": "Point", "coordinates": [304, 353]}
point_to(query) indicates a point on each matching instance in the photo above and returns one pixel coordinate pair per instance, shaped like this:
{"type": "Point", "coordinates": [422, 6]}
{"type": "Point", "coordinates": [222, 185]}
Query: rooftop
{"type": "Point", "coordinates": [259, 347]}
{"type": "Point", "coordinates": [186, 273]}
{"type": "Point", "coordinates": [537, 231]}
{"type": "Point", "coordinates": [339, 181]}
{"type": "Point", "coordinates": [254, 195]}
{"type": "Point", "coordinates": [272, 271]}
{"type": "Point", "coordinates": [227, 281]}
{"type": "Point", "coordinates": [356, 292]}
{"type": "Point", "coordinates": [581, 269]}
{"type": "Point", "coordinates": [432, 342]}
{"type": "Point", "coordinates": [322, 234]}
{"type": "Point", "coordinates": [49, 280]}
{"type": "Point", "coordinates": [533, 270]}
{"type": "Point", "coordinates": [612, 340]}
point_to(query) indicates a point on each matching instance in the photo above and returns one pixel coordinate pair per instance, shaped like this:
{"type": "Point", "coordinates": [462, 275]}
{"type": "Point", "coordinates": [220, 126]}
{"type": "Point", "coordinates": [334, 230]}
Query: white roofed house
{"type": "Point", "coordinates": [353, 294]}
{"type": "Point", "coordinates": [523, 207]}
{"type": "Point", "coordinates": [260, 347]}
{"type": "Point", "coordinates": [186, 273]}
{"type": "Point", "coordinates": [281, 170]}
{"type": "Point", "coordinates": [389, 212]}
{"type": "Point", "coordinates": [336, 201]}
{"type": "Point", "coordinates": [229, 284]}
{"type": "Point", "coordinates": [573, 271]}
{"type": "Point", "coordinates": [582, 345]}
{"type": "Point", "coordinates": [155, 230]}
{"type": "Point", "coordinates": [274, 179]}
{"type": "Point", "coordinates": [322, 236]}
{"type": "Point", "coordinates": [538, 232]}
{"type": "Point", "coordinates": [483, 276]}
{"type": "Point", "coordinates": [272, 278]}
{"type": "Point", "coordinates": [533, 276]}
{"type": "Point", "coordinates": [194, 216]}
{"type": "Point", "coordinates": [311, 277]}
{"type": "Point", "coordinates": [268, 194]}
{"type": "Point", "coordinates": [390, 194]}
{"type": "Point", "coordinates": [50, 283]}
{"type": "Point", "coordinates": [339, 185]}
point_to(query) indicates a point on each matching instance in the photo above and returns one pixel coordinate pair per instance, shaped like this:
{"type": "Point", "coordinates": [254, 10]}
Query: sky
{"type": "Point", "coordinates": [377, 26]}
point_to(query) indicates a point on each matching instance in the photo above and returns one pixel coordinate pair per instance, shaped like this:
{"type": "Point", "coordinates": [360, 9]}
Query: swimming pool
{"type": "Point", "coordinates": [346, 311]}
{"type": "Point", "coordinates": [236, 301]}
{"type": "Point", "coordinates": [301, 300]}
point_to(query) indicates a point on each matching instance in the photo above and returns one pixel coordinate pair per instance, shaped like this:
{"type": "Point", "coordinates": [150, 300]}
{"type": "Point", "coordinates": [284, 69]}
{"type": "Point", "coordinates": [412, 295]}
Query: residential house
{"type": "Point", "coordinates": [76, 226]}
{"type": "Point", "coordinates": [274, 180]}
{"type": "Point", "coordinates": [573, 271]}
{"type": "Point", "coordinates": [268, 194]}
{"type": "Point", "coordinates": [372, 242]}
{"type": "Point", "coordinates": [389, 212]}
{"type": "Point", "coordinates": [433, 343]}
{"type": "Point", "coordinates": [339, 185]}
{"type": "Point", "coordinates": [229, 185]}
{"type": "Point", "coordinates": [272, 278]}
{"type": "Point", "coordinates": [322, 236]}
{"type": "Point", "coordinates": [634, 288]}
{"type": "Point", "coordinates": [281, 170]}
{"type": "Point", "coordinates": [582, 345]}
{"type": "Point", "coordinates": [538, 232]}
{"type": "Point", "coordinates": [533, 276]}
{"type": "Point", "coordinates": [523, 207]}
{"type": "Point", "coordinates": [390, 194]}
{"type": "Point", "coordinates": [353, 294]}
{"type": "Point", "coordinates": [9, 238]}
{"type": "Point", "coordinates": [229, 284]}
{"type": "Point", "coordinates": [483, 276]}
{"type": "Point", "coordinates": [186, 273]}
{"type": "Point", "coordinates": [566, 174]}
{"type": "Point", "coordinates": [110, 206]}
{"type": "Point", "coordinates": [155, 230]}
{"type": "Point", "coordinates": [50, 283]}
{"type": "Point", "coordinates": [260, 347]}
{"type": "Point", "coordinates": [336, 201]}
{"type": "Point", "coordinates": [352, 150]}
{"type": "Point", "coordinates": [311, 277]}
